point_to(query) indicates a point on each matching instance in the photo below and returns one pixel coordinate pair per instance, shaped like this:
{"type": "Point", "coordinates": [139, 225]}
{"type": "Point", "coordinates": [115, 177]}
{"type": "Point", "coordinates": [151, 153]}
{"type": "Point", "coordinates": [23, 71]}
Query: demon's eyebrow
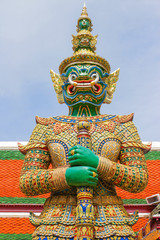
{"type": "Point", "coordinates": [97, 69]}
{"type": "Point", "coordinates": [69, 70]}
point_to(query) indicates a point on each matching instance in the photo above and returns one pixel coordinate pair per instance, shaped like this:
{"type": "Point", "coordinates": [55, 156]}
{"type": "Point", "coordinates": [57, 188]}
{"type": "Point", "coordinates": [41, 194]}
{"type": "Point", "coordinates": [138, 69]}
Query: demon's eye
{"type": "Point", "coordinates": [94, 75]}
{"type": "Point", "coordinates": [71, 79]}
{"type": "Point", "coordinates": [73, 76]}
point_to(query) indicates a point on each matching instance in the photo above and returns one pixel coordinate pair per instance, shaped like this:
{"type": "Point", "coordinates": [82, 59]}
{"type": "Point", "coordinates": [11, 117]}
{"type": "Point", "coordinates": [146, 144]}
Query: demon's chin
{"type": "Point", "coordinates": [84, 99]}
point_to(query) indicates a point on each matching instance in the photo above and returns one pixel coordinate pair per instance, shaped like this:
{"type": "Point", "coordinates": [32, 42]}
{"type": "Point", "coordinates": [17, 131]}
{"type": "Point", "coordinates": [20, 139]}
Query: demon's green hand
{"type": "Point", "coordinates": [81, 176]}
{"type": "Point", "coordinates": [81, 156]}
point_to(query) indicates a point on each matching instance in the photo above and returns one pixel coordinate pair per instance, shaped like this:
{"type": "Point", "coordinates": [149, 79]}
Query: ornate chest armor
{"type": "Point", "coordinates": [50, 143]}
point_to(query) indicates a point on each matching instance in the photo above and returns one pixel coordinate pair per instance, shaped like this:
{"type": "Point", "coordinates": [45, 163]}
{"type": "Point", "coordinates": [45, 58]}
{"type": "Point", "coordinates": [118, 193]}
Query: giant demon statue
{"type": "Point", "coordinates": [89, 153]}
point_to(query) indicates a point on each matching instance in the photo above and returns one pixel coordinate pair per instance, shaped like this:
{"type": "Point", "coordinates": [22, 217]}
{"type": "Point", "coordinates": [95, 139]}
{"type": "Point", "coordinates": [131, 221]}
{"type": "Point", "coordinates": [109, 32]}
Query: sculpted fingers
{"type": "Point", "coordinates": [93, 179]}
{"type": "Point", "coordinates": [74, 163]}
{"type": "Point", "coordinates": [91, 169]}
{"type": "Point", "coordinates": [80, 176]}
{"type": "Point", "coordinates": [93, 174]}
{"type": "Point", "coordinates": [75, 156]}
{"type": "Point", "coordinates": [74, 151]}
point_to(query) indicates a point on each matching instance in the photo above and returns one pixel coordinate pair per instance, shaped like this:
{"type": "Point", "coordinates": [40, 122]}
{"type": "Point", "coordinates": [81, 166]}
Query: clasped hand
{"type": "Point", "coordinates": [83, 170]}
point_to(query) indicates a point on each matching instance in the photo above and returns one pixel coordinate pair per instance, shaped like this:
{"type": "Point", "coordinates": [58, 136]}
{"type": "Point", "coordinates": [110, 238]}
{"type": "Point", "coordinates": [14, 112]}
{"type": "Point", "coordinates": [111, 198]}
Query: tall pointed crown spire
{"type": "Point", "coordinates": [84, 39]}
{"type": "Point", "coordinates": [84, 45]}
{"type": "Point", "coordinates": [84, 16]}
{"type": "Point", "coordinates": [84, 11]}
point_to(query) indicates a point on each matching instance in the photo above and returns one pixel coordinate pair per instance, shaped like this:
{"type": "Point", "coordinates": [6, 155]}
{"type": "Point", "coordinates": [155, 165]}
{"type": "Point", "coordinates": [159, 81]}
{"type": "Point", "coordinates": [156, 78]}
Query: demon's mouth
{"type": "Point", "coordinates": [84, 83]}
{"type": "Point", "coordinates": [97, 88]}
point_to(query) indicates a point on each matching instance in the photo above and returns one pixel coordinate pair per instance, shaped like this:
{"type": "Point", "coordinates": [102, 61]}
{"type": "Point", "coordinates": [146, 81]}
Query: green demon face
{"type": "Point", "coordinates": [83, 84]}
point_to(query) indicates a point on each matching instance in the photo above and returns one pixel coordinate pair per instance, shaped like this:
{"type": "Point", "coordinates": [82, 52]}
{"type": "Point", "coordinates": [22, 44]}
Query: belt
{"type": "Point", "coordinates": [71, 200]}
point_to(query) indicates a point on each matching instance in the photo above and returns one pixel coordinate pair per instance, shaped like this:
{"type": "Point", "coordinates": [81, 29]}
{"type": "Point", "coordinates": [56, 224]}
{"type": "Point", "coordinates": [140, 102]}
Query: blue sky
{"type": "Point", "coordinates": [35, 36]}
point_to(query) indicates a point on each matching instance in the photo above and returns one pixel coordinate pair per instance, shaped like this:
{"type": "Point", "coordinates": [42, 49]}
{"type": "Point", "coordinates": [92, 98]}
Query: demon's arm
{"type": "Point", "coordinates": [36, 178]}
{"type": "Point", "coordinates": [130, 173]}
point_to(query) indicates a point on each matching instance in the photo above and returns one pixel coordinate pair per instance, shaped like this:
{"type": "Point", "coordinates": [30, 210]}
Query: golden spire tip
{"type": "Point", "coordinates": [84, 10]}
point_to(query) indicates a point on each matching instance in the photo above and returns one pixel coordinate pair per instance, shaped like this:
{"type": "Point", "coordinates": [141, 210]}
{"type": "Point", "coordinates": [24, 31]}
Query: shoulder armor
{"type": "Point", "coordinates": [129, 137]}
{"type": "Point", "coordinates": [37, 139]}
{"type": "Point", "coordinates": [44, 121]}
{"type": "Point", "coordinates": [145, 147]}
{"type": "Point", "coordinates": [24, 148]}
{"type": "Point", "coordinates": [123, 118]}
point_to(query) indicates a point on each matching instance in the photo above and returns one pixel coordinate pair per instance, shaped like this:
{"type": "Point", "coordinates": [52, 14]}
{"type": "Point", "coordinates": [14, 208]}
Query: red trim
{"type": "Point", "coordinates": [84, 81]}
{"type": "Point", "coordinates": [21, 207]}
{"type": "Point", "coordinates": [142, 208]}
{"type": "Point", "coordinates": [83, 135]}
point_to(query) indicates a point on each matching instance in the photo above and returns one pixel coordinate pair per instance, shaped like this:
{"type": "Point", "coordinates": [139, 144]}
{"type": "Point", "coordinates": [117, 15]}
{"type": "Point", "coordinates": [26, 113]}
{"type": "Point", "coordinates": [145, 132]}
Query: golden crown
{"type": "Point", "coordinates": [84, 46]}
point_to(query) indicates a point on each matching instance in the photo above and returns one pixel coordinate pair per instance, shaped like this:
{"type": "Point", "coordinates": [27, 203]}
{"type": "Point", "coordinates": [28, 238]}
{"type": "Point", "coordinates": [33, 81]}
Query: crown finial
{"type": "Point", "coordinates": [84, 11]}
{"type": "Point", "coordinates": [84, 41]}
{"type": "Point", "coordinates": [84, 45]}
{"type": "Point", "coordinates": [84, 22]}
